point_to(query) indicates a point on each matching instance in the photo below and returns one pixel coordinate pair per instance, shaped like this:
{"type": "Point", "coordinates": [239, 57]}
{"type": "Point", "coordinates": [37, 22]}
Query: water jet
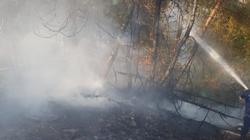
{"type": "Point", "coordinates": [219, 59]}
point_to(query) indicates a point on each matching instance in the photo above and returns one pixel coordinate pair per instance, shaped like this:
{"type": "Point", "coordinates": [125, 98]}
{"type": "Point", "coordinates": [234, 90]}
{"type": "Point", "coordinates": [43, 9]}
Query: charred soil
{"type": "Point", "coordinates": [120, 122]}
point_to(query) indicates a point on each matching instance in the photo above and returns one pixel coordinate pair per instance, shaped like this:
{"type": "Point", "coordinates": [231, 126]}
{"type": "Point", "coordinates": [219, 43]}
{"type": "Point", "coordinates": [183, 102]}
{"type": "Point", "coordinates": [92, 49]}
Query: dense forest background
{"type": "Point", "coordinates": [60, 49]}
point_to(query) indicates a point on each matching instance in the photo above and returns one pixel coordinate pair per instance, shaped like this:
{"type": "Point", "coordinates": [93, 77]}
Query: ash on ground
{"type": "Point", "coordinates": [123, 121]}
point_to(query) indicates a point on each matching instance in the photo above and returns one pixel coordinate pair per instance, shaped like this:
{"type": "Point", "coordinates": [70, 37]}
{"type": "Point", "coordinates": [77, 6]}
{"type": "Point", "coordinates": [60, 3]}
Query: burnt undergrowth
{"type": "Point", "coordinates": [119, 120]}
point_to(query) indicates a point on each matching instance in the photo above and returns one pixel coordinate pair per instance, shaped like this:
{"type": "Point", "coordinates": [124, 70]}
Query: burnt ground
{"type": "Point", "coordinates": [120, 122]}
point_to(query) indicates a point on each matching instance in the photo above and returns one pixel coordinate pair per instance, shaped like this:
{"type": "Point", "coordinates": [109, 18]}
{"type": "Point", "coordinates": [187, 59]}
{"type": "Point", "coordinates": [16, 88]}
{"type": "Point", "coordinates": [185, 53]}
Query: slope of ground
{"type": "Point", "coordinates": [120, 122]}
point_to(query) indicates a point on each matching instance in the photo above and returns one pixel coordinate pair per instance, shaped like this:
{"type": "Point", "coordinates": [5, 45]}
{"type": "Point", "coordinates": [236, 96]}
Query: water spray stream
{"type": "Point", "coordinates": [217, 57]}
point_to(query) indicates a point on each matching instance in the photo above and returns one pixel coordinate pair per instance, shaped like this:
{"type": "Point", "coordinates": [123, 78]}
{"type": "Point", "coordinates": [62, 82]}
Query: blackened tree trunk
{"type": "Point", "coordinates": [115, 50]}
{"type": "Point", "coordinates": [156, 36]}
{"type": "Point", "coordinates": [130, 48]}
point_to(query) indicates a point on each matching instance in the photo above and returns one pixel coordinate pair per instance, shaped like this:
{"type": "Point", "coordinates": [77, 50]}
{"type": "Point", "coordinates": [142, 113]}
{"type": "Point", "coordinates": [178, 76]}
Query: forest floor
{"type": "Point", "coordinates": [120, 122]}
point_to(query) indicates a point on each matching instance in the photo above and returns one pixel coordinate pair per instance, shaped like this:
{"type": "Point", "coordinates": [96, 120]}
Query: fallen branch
{"type": "Point", "coordinates": [188, 101]}
{"type": "Point", "coordinates": [205, 116]}
{"type": "Point", "coordinates": [198, 96]}
{"type": "Point", "coordinates": [205, 107]}
{"type": "Point", "coordinates": [184, 92]}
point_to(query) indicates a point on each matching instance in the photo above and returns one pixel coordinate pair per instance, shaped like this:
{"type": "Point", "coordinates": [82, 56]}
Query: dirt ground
{"type": "Point", "coordinates": [120, 122]}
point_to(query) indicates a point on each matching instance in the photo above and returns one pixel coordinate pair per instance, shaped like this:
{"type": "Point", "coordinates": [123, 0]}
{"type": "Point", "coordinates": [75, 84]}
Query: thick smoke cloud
{"type": "Point", "coordinates": [37, 71]}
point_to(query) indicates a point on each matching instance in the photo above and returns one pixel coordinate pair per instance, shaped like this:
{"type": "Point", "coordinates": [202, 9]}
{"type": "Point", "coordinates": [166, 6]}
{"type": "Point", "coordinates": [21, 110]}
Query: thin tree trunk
{"type": "Point", "coordinates": [187, 63]}
{"type": "Point", "coordinates": [156, 36]}
{"type": "Point", "coordinates": [129, 48]}
{"type": "Point", "coordinates": [180, 44]}
{"type": "Point", "coordinates": [128, 63]}
{"type": "Point", "coordinates": [204, 30]}
{"type": "Point", "coordinates": [115, 50]}
{"type": "Point", "coordinates": [179, 24]}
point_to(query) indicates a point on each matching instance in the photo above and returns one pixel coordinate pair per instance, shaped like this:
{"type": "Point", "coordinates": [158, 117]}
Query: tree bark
{"type": "Point", "coordinates": [180, 44]}
{"type": "Point", "coordinates": [115, 50]}
{"type": "Point", "coordinates": [204, 30]}
{"type": "Point", "coordinates": [156, 36]}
